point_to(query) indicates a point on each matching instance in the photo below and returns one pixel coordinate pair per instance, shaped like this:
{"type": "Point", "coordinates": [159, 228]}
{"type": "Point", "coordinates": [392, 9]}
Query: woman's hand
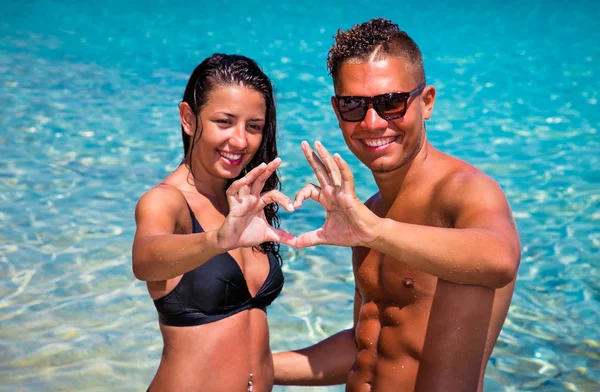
{"type": "Point", "coordinates": [348, 222]}
{"type": "Point", "coordinates": [246, 225]}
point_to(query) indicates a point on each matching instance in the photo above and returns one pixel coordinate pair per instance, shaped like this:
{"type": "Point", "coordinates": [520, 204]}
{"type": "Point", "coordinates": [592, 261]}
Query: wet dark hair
{"type": "Point", "coordinates": [234, 70]}
{"type": "Point", "coordinates": [378, 38]}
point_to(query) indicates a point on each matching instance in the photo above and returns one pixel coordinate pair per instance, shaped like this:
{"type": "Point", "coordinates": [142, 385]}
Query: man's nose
{"type": "Point", "coordinates": [373, 120]}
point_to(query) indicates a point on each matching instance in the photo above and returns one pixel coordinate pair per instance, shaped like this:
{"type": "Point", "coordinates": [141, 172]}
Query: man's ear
{"type": "Point", "coordinates": [187, 118]}
{"type": "Point", "coordinates": [427, 101]}
{"type": "Point", "coordinates": [335, 109]}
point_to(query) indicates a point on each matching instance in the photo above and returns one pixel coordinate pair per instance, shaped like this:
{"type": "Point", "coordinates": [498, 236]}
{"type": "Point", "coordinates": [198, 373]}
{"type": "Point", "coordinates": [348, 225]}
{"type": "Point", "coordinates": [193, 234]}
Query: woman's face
{"type": "Point", "coordinates": [232, 123]}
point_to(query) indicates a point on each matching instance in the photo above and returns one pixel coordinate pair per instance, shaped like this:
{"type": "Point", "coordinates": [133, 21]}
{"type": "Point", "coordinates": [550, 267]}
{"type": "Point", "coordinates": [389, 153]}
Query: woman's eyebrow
{"type": "Point", "coordinates": [226, 114]}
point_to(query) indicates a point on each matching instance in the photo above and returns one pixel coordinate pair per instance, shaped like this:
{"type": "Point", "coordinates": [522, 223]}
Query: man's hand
{"type": "Point", "coordinates": [349, 222]}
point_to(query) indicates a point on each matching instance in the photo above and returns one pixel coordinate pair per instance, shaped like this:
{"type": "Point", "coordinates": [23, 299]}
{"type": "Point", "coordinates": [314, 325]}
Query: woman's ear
{"type": "Point", "coordinates": [187, 118]}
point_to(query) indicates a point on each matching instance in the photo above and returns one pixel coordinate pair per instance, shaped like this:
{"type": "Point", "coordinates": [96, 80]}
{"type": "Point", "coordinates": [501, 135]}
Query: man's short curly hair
{"type": "Point", "coordinates": [374, 40]}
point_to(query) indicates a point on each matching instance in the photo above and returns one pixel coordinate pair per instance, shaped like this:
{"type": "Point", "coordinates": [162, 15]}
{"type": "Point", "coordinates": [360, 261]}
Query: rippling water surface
{"type": "Point", "coordinates": [88, 122]}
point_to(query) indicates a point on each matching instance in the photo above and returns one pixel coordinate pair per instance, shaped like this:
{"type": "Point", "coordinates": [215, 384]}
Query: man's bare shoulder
{"type": "Point", "coordinates": [465, 187]}
{"type": "Point", "coordinates": [463, 178]}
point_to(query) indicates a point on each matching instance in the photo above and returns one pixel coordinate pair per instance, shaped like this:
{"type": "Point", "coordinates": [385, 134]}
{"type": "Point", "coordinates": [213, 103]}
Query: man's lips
{"type": "Point", "coordinates": [379, 143]}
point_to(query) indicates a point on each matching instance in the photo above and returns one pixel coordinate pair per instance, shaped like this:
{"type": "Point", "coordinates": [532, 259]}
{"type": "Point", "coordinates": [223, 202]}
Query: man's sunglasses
{"type": "Point", "coordinates": [390, 106]}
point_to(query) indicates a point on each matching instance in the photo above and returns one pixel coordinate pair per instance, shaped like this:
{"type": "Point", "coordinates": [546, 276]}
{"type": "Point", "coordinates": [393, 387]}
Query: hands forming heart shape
{"type": "Point", "coordinates": [348, 221]}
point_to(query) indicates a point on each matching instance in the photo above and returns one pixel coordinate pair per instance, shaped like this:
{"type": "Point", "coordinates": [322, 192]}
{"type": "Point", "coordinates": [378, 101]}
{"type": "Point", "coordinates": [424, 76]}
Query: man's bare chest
{"type": "Point", "coordinates": [381, 278]}
{"type": "Point", "coordinates": [385, 280]}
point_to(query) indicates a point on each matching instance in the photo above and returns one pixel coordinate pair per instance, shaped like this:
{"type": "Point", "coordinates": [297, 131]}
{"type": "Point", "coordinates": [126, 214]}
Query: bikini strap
{"type": "Point", "coordinates": [196, 228]}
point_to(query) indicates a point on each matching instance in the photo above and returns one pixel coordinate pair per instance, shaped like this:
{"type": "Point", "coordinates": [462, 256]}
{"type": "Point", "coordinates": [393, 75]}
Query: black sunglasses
{"type": "Point", "coordinates": [390, 106]}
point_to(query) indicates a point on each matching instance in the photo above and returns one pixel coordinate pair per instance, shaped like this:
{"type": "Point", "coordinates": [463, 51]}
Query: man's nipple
{"type": "Point", "coordinates": [409, 282]}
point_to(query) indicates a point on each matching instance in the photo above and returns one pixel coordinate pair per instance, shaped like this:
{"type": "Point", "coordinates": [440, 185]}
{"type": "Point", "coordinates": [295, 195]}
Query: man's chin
{"type": "Point", "coordinates": [382, 168]}
{"type": "Point", "coordinates": [378, 167]}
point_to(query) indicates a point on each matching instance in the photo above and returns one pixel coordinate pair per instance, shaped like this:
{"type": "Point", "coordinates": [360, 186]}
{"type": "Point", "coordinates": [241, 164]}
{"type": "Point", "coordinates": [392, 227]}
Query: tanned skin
{"type": "Point", "coordinates": [218, 356]}
{"type": "Point", "coordinates": [435, 252]}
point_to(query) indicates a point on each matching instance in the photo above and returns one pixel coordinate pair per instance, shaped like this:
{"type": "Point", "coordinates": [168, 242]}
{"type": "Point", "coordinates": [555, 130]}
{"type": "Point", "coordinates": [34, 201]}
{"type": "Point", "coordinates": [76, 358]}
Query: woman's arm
{"type": "Point", "coordinates": [160, 254]}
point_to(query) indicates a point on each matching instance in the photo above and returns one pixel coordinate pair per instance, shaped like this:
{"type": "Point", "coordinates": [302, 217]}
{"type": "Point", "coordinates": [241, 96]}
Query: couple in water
{"type": "Point", "coordinates": [435, 251]}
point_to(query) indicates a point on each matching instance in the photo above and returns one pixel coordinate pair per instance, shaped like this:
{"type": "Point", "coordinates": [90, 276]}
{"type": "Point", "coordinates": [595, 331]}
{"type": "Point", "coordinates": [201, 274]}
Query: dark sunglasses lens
{"type": "Point", "coordinates": [391, 105]}
{"type": "Point", "coordinates": [352, 109]}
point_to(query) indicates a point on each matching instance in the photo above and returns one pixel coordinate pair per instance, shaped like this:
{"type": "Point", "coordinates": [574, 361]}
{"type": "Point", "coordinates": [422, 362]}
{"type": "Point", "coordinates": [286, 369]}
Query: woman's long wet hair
{"type": "Point", "coordinates": [233, 70]}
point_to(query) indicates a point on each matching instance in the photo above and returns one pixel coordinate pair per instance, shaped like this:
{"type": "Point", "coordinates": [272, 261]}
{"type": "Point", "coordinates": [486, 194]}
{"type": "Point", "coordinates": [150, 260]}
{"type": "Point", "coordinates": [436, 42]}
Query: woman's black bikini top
{"type": "Point", "coordinates": [215, 290]}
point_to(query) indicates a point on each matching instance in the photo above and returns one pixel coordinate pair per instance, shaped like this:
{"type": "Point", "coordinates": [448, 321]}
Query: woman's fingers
{"type": "Point", "coordinates": [259, 183]}
{"type": "Point", "coordinates": [249, 178]}
{"type": "Point", "coordinates": [309, 191]}
{"type": "Point", "coordinates": [276, 196]}
{"type": "Point", "coordinates": [330, 165]}
{"type": "Point", "coordinates": [281, 236]}
{"type": "Point", "coordinates": [315, 237]}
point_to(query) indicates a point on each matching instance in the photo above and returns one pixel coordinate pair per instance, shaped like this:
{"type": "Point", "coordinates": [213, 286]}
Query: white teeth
{"type": "Point", "coordinates": [232, 157]}
{"type": "Point", "coordinates": [379, 142]}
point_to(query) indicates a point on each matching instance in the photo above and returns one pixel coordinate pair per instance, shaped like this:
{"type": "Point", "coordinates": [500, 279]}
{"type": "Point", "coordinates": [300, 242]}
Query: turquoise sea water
{"type": "Point", "coordinates": [88, 122]}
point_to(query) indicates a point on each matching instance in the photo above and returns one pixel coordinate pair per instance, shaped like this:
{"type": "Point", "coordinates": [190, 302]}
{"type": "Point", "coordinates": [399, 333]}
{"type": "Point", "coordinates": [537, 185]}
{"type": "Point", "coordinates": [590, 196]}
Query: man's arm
{"type": "Point", "coordinates": [456, 338]}
{"type": "Point", "coordinates": [482, 247]}
{"type": "Point", "coordinates": [325, 363]}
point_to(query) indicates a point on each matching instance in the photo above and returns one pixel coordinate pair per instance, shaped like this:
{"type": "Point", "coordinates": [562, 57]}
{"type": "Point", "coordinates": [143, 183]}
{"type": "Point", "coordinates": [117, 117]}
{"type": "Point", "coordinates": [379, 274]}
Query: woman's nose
{"type": "Point", "coordinates": [238, 137]}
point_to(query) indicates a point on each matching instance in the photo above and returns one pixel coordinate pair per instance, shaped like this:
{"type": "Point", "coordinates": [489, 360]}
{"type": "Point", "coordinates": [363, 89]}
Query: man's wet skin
{"type": "Point", "coordinates": [404, 316]}
{"type": "Point", "coordinates": [435, 220]}
{"type": "Point", "coordinates": [412, 329]}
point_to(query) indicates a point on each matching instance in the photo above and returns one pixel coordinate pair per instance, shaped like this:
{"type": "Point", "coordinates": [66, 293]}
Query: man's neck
{"type": "Point", "coordinates": [393, 183]}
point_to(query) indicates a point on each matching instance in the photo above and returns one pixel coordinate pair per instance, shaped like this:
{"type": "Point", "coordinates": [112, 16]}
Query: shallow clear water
{"type": "Point", "coordinates": [88, 122]}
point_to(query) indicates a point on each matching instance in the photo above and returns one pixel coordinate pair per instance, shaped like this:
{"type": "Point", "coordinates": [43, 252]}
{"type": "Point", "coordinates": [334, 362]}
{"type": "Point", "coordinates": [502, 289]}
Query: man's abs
{"type": "Point", "coordinates": [389, 342]}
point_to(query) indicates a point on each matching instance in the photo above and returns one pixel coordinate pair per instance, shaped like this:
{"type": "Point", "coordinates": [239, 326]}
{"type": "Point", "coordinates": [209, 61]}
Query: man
{"type": "Point", "coordinates": [435, 250]}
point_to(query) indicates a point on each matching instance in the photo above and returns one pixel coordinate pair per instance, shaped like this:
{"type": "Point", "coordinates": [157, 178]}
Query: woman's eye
{"type": "Point", "coordinates": [222, 122]}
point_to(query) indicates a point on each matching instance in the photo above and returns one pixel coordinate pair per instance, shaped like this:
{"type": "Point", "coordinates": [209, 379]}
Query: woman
{"type": "Point", "coordinates": [206, 241]}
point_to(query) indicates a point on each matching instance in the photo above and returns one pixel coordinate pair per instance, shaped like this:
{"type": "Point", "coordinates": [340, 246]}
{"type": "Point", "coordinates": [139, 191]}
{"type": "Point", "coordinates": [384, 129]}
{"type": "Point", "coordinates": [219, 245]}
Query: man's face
{"type": "Point", "coordinates": [383, 145]}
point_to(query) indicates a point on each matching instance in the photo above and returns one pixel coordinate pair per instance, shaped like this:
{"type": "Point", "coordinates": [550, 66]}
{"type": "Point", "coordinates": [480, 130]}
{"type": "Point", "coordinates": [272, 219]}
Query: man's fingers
{"type": "Point", "coordinates": [332, 168]}
{"type": "Point", "coordinates": [276, 196]}
{"type": "Point", "coordinates": [259, 183]}
{"type": "Point", "coordinates": [346, 174]}
{"type": "Point", "coordinates": [309, 191]}
{"type": "Point", "coordinates": [316, 164]}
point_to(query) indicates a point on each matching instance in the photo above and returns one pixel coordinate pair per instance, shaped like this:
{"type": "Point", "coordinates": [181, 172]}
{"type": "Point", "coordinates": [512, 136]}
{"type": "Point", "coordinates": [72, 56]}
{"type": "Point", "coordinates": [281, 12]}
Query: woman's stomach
{"type": "Point", "coordinates": [223, 355]}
